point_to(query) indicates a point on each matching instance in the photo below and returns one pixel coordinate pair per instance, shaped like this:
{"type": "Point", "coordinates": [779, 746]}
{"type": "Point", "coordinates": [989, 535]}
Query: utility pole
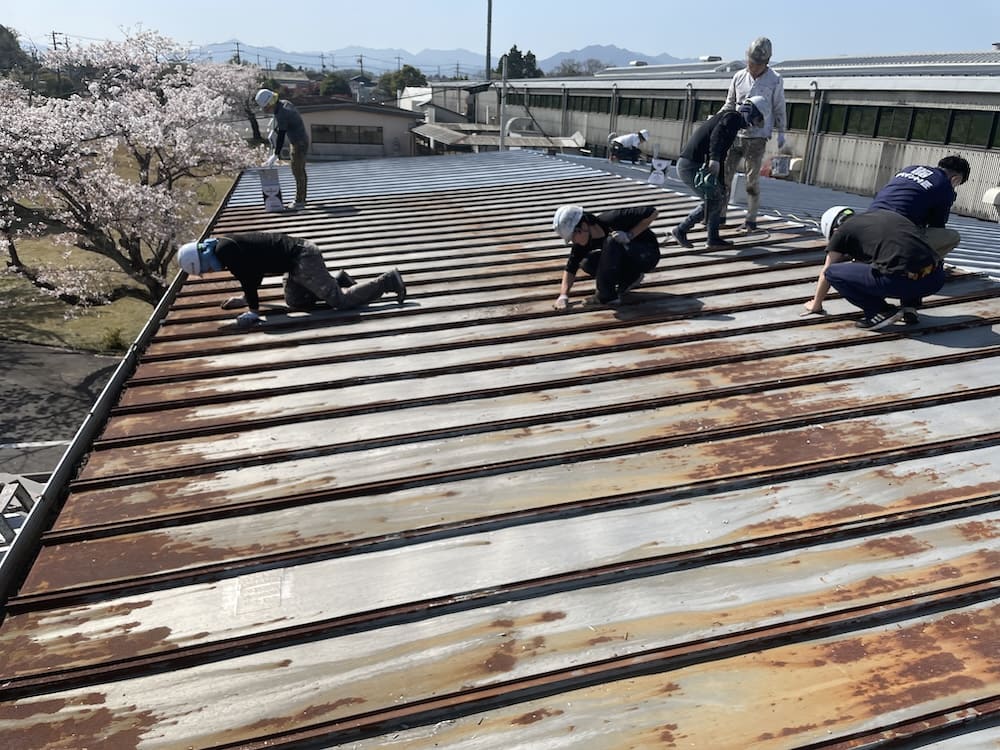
{"type": "Point", "coordinates": [489, 34]}
{"type": "Point", "coordinates": [55, 46]}
{"type": "Point", "coordinates": [361, 63]}
{"type": "Point", "coordinates": [322, 62]}
{"type": "Point", "coordinates": [399, 63]}
{"type": "Point", "coordinates": [238, 61]}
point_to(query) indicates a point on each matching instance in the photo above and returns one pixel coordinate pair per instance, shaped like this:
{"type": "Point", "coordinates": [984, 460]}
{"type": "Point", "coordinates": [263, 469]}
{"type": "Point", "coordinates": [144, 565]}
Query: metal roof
{"type": "Point", "coordinates": [978, 251]}
{"type": "Point", "coordinates": [697, 520]}
{"type": "Point", "coordinates": [978, 63]}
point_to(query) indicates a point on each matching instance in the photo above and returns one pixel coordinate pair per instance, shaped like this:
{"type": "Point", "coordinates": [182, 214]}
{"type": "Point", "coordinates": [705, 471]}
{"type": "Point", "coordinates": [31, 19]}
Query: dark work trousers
{"type": "Point", "coordinates": [309, 281]}
{"type": "Point", "coordinates": [626, 153]}
{"type": "Point", "coordinates": [709, 210]}
{"type": "Point", "coordinates": [621, 265]}
{"type": "Point", "coordinates": [864, 287]}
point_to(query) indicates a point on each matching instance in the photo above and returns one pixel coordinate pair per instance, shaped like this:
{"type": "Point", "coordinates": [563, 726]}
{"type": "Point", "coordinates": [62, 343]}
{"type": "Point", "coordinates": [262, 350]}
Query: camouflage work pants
{"type": "Point", "coordinates": [309, 282]}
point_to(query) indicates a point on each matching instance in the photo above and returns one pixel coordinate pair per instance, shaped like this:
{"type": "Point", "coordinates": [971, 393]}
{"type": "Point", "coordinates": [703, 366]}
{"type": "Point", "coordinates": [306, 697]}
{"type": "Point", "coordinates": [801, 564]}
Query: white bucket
{"type": "Point", "coordinates": [270, 188]}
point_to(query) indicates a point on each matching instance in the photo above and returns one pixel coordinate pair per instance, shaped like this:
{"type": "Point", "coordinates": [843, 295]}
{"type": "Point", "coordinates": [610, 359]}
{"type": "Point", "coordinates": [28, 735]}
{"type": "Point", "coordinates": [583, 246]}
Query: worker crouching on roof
{"type": "Point", "coordinates": [616, 247]}
{"type": "Point", "coordinates": [252, 256]}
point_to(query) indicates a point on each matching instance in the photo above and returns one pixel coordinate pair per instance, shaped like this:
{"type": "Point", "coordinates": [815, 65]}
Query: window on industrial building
{"type": "Point", "coordinates": [647, 108]}
{"type": "Point", "coordinates": [354, 134]}
{"type": "Point", "coordinates": [674, 109]}
{"type": "Point", "coordinates": [630, 107]}
{"type": "Point", "coordinates": [798, 116]}
{"type": "Point", "coordinates": [705, 108]}
{"type": "Point", "coordinates": [972, 128]}
{"type": "Point", "coordinates": [894, 122]}
{"type": "Point", "coordinates": [659, 107]}
{"type": "Point", "coordinates": [930, 125]}
{"type": "Point", "coordinates": [834, 119]}
{"type": "Point", "coordinates": [861, 120]}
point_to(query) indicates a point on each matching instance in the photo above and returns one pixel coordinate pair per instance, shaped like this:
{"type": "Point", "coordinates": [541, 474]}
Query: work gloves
{"type": "Point", "coordinates": [621, 237]}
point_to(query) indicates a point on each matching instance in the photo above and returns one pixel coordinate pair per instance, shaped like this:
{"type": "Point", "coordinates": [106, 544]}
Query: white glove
{"type": "Point", "coordinates": [561, 302]}
{"type": "Point", "coordinates": [713, 167]}
{"type": "Point", "coordinates": [621, 237]}
{"type": "Point", "coordinates": [271, 160]}
{"type": "Point", "coordinates": [781, 140]}
{"type": "Point", "coordinates": [247, 319]}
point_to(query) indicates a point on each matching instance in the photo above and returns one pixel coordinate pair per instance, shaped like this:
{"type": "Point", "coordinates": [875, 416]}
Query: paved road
{"type": "Point", "coordinates": [45, 396]}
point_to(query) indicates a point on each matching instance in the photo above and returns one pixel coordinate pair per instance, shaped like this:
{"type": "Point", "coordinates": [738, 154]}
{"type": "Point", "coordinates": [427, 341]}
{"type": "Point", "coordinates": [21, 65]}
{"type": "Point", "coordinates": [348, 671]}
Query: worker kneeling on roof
{"type": "Point", "coordinates": [252, 256]}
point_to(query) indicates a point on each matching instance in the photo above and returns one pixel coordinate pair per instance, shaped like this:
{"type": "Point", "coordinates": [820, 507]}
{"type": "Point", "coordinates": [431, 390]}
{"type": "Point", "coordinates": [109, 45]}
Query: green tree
{"type": "Point", "coordinates": [520, 65]}
{"type": "Point", "coordinates": [11, 55]}
{"type": "Point", "coordinates": [395, 81]}
{"type": "Point", "coordinates": [334, 84]}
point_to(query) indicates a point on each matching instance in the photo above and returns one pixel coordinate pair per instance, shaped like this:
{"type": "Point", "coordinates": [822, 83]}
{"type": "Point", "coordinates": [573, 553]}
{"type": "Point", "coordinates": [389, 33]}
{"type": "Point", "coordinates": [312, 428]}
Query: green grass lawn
{"type": "Point", "coordinates": [29, 315]}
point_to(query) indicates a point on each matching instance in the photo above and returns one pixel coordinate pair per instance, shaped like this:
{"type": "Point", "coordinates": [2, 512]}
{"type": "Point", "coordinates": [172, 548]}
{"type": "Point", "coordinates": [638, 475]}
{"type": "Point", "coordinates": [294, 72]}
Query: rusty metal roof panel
{"type": "Point", "coordinates": [696, 520]}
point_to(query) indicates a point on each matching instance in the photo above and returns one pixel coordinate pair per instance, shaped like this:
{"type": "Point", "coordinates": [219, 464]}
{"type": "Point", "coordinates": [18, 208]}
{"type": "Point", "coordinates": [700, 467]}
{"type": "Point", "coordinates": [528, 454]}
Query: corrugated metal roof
{"type": "Point", "coordinates": [696, 520]}
{"type": "Point", "coordinates": [976, 63]}
{"type": "Point", "coordinates": [978, 251]}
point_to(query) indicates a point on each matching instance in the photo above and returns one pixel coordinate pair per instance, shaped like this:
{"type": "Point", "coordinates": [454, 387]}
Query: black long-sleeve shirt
{"type": "Point", "coordinates": [253, 255]}
{"type": "Point", "coordinates": [712, 139]}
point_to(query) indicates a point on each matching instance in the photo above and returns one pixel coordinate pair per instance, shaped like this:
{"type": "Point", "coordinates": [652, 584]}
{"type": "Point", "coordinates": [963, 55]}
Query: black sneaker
{"type": "Point", "coordinates": [880, 320]}
{"type": "Point", "coordinates": [681, 237]}
{"type": "Point", "coordinates": [910, 316]}
{"type": "Point", "coordinates": [718, 244]}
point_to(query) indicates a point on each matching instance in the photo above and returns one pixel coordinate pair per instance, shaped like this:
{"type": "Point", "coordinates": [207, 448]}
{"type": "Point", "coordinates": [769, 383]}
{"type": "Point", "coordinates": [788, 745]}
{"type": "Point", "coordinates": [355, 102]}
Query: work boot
{"type": "Point", "coordinates": [394, 283]}
{"type": "Point", "coordinates": [344, 279]}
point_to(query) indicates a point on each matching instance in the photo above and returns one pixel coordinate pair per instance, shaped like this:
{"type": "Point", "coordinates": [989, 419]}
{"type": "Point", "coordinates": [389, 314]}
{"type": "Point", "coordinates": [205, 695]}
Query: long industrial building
{"type": "Point", "coordinates": [852, 121]}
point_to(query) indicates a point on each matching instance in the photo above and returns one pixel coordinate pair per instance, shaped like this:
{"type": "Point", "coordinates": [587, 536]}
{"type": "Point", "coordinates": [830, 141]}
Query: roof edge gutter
{"type": "Point", "coordinates": [22, 550]}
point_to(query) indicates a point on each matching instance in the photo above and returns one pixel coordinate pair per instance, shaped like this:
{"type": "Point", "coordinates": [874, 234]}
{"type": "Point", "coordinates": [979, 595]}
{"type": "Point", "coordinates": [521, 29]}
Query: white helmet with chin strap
{"type": "Point", "coordinates": [197, 258]}
{"type": "Point", "coordinates": [832, 218]}
{"type": "Point", "coordinates": [264, 97]}
{"type": "Point", "coordinates": [565, 221]}
{"type": "Point", "coordinates": [189, 259]}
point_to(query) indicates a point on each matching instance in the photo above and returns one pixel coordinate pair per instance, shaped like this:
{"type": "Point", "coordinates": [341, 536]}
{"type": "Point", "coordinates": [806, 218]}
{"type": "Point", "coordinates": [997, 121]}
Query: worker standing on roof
{"type": "Point", "coordinates": [252, 256]}
{"type": "Point", "coordinates": [627, 146]}
{"type": "Point", "coordinates": [706, 151]}
{"type": "Point", "coordinates": [616, 247]}
{"type": "Point", "coordinates": [286, 121]}
{"type": "Point", "coordinates": [756, 79]}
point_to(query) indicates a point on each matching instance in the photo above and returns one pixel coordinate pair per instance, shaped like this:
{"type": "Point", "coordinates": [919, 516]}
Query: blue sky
{"type": "Point", "coordinates": [683, 29]}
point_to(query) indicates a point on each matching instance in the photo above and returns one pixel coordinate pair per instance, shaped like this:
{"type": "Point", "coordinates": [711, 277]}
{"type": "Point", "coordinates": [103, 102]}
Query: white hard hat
{"type": "Point", "coordinates": [565, 221]}
{"type": "Point", "coordinates": [189, 259]}
{"type": "Point", "coordinates": [264, 97]}
{"type": "Point", "coordinates": [645, 134]}
{"type": "Point", "coordinates": [833, 217]}
{"type": "Point", "coordinates": [760, 104]}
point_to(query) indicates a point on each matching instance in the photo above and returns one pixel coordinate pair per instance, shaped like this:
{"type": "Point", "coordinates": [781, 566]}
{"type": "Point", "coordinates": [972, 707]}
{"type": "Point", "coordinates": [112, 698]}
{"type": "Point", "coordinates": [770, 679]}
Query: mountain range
{"type": "Point", "coordinates": [431, 62]}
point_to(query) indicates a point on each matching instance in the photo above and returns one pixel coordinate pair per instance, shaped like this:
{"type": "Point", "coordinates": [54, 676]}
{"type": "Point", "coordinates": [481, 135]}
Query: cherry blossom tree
{"type": "Point", "coordinates": [115, 169]}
